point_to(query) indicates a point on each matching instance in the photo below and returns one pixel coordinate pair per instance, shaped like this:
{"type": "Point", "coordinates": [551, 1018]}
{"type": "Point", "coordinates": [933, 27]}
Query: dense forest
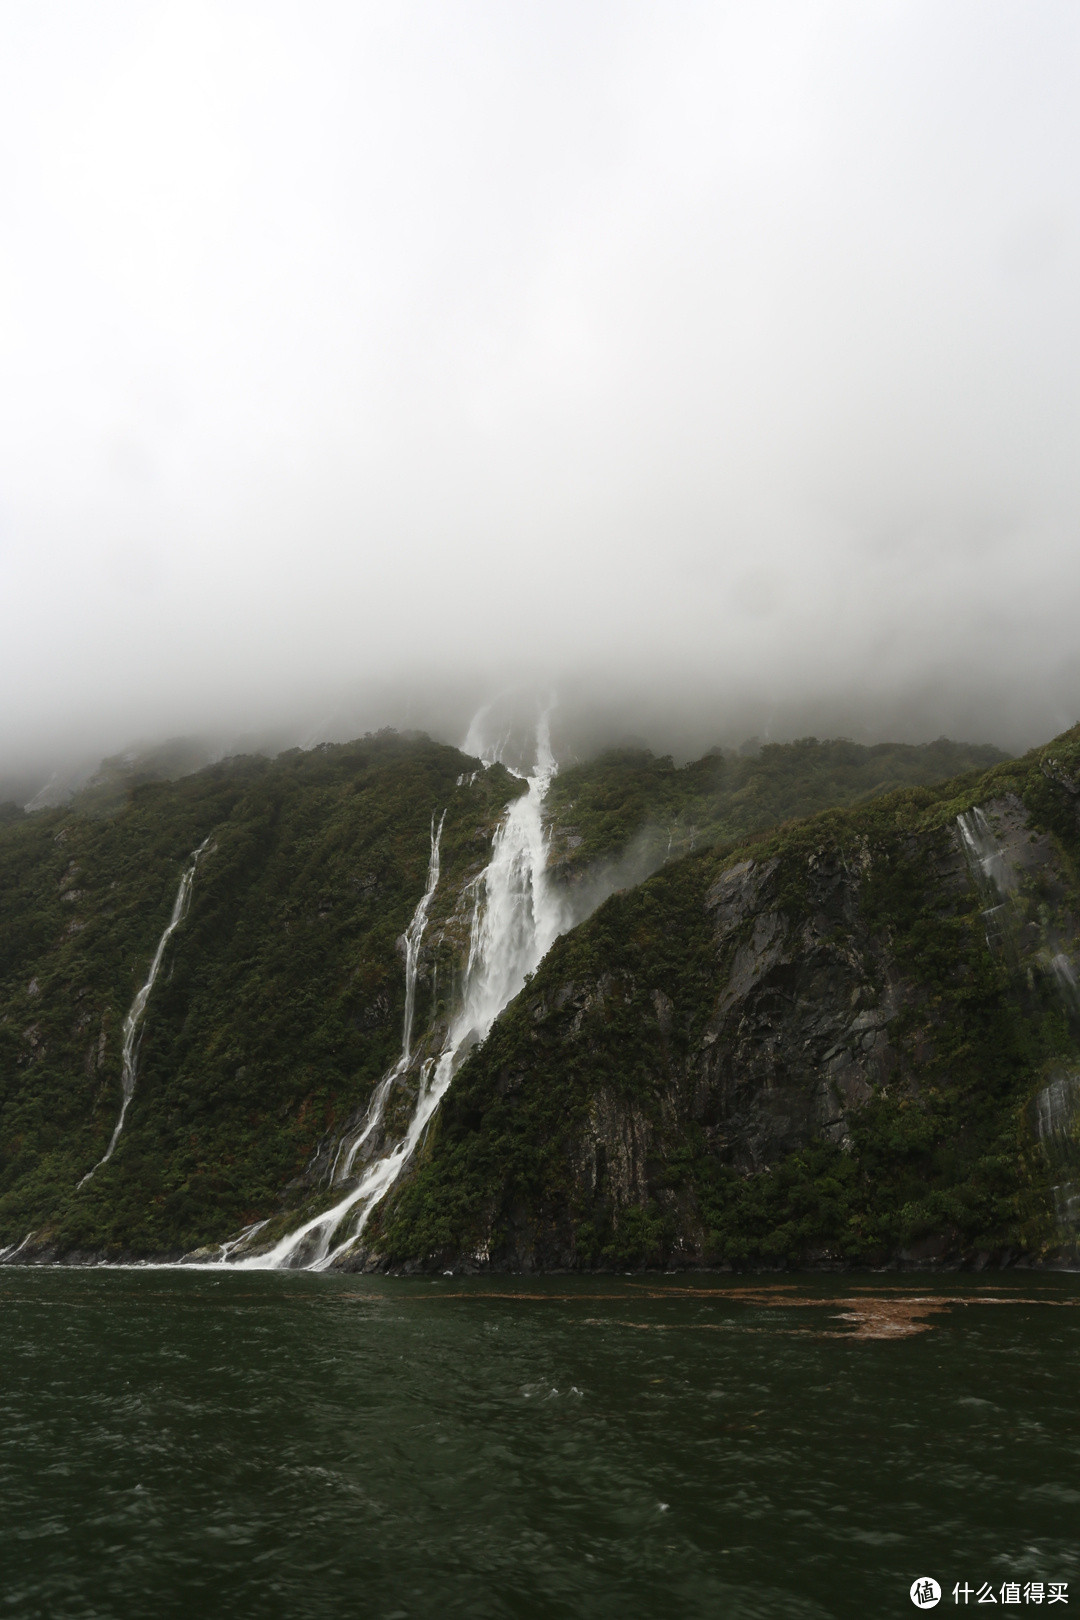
{"type": "Point", "coordinates": [842, 1042]}
{"type": "Point", "coordinates": [796, 1021]}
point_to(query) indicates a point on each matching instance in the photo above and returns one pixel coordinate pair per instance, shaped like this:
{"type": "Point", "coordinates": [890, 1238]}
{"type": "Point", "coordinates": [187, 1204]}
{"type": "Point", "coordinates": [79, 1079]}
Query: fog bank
{"type": "Point", "coordinates": [715, 365]}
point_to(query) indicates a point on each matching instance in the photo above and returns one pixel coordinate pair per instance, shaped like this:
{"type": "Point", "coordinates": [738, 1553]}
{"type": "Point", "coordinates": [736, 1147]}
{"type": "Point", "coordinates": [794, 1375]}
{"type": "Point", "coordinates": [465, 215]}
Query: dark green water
{"type": "Point", "coordinates": [247, 1444]}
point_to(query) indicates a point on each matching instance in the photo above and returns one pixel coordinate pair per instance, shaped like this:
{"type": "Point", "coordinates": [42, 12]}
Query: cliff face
{"type": "Point", "coordinates": [852, 1039]}
{"type": "Point", "coordinates": [855, 1042]}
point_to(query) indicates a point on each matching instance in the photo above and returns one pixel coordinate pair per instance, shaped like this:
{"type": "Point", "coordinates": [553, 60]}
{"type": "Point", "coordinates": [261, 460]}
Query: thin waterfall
{"type": "Point", "coordinates": [243, 1237]}
{"type": "Point", "coordinates": [986, 858]}
{"type": "Point", "coordinates": [1057, 1112]}
{"type": "Point", "coordinates": [989, 867]}
{"type": "Point", "coordinates": [516, 917]}
{"type": "Point", "coordinates": [13, 1249]}
{"type": "Point", "coordinates": [1065, 978]}
{"type": "Point", "coordinates": [1003, 911]}
{"type": "Point", "coordinates": [133, 1023]}
{"type": "Point", "coordinates": [413, 937]}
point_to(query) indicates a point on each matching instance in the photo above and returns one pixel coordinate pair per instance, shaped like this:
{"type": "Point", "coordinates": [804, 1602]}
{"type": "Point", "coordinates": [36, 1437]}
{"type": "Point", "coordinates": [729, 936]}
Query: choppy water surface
{"type": "Point", "coordinates": [265, 1444]}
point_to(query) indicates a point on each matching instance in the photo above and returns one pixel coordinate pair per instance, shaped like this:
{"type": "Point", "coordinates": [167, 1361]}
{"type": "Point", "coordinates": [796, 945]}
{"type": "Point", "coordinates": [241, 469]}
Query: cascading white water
{"type": "Point", "coordinates": [14, 1248]}
{"type": "Point", "coordinates": [243, 1237]}
{"type": "Point", "coordinates": [516, 917]}
{"type": "Point", "coordinates": [1065, 976]}
{"type": "Point", "coordinates": [413, 936]}
{"type": "Point", "coordinates": [987, 859]}
{"type": "Point", "coordinates": [989, 866]}
{"type": "Point", "coordinates": [997, 883]}
{"type": "Point", "coordinates": [134, 1020]}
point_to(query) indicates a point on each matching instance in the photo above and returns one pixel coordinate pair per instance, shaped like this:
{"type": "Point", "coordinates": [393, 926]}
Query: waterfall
{"type": "Point", "coordinates": [1057, 1113]}
{"type": "Point", "coordinates": [13, 1249]}
{"type": "Point", "coordinates": [985, 856]}
{"type": "Point", "coordinates": [413, 936]}
{"type": "Point", "coordinates": [1004, 911]}
{"type": "Point", "coordinates": [516, 916]}
{"type": "Point", "coordinates": [1065, 977]}
{"type": "Point", "coordinates": [993, 876]}
{"type": "Point", "coordinates": [133, 1023]}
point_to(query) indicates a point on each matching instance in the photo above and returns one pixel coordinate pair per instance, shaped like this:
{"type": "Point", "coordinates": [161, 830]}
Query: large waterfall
{"type": "Point", "coordinates": [133, 1023]}
{"type": "Point", "coordinates": [516, 915]}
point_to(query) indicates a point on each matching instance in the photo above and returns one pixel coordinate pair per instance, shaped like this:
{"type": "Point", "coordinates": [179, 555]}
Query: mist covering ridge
{"type": "Point", "coordinates": [582, 730]}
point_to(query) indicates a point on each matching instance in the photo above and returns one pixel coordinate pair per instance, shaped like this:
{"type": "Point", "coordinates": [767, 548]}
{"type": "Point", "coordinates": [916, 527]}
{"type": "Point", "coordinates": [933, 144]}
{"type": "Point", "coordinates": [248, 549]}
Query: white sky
{"type": "Point", "coordinates": [711, 358]}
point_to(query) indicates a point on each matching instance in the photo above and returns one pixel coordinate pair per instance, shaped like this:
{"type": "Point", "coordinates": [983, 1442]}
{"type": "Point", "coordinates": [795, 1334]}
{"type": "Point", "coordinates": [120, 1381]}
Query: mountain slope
{"type": "Point", "coordinates": [280, 997]}
{"type": "Point", "coordinates": [642, 1100]}
{"type": "Point", "coordinates": [855, 1040]}
{"type": "Point", "coordinates": [628, 807]}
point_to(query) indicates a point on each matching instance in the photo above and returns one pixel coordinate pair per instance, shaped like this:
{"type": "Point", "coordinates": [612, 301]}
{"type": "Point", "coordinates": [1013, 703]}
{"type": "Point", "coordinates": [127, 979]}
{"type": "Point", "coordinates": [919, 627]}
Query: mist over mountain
{"type": "Point", "coordinates": [713, 365]}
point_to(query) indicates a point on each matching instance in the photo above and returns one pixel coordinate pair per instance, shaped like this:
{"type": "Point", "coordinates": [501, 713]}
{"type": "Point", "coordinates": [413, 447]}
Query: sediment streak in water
{"type": "Point", "coordinates": [133, 1023]}
{"type": "Point", "coordinates": [516, 917]}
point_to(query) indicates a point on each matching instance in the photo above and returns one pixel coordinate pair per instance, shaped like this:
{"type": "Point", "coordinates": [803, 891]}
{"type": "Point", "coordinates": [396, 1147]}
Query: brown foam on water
{"type": "Point", "coordinates": [871, 1316]}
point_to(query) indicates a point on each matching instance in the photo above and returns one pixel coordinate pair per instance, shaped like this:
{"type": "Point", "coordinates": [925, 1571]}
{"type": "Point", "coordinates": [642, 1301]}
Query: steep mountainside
{"type": "Point", "coordinates": [813, 1044]}
{"type": "Point", "coordinates": [279, 1001]}
{"type": "Point", "coordinates": [853, 1041]}
{"type": "Point", "coordinates": [631, 809]}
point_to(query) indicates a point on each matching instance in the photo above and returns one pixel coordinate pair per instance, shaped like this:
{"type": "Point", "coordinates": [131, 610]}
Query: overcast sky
{"type": "Point", "coordinates": [713, 359]}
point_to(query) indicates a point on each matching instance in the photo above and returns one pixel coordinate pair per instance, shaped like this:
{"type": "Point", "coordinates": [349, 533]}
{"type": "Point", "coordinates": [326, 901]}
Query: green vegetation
{"type": "Point", "coordinates": [279, 1002]}
{"type": "Point", "coordinates": [629, 795]}
{"type": "Point", "coordinates": [584, 1132]}
{"type": "Point", "coordinates": [655, 1096]}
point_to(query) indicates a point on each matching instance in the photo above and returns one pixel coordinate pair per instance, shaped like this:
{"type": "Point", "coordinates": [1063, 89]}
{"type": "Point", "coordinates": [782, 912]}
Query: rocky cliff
{"type": "Point", "coordinates": [853, 1042]}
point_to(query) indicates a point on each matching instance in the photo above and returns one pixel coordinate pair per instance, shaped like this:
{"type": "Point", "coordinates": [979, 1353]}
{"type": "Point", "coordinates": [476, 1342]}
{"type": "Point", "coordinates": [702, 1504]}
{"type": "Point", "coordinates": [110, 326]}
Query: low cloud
{"type": "Point", "coordinates": [714, 365]}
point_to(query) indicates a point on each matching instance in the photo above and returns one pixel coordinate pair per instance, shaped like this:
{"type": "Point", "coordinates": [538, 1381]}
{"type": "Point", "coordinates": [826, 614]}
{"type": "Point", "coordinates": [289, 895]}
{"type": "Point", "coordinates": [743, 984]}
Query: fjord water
{"type": "Point", "coordinates": [221, 1443]}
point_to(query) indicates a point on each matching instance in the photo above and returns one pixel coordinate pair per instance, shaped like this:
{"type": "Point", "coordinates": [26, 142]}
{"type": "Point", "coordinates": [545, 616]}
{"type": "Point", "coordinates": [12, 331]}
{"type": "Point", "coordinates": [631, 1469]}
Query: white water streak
{"type": "Point", "coordinates": [987, 859]}
{"type": "Point", "coordinates": [243, 1237]}
{"type": "Point", "coordinates": [993, 875]}
{"type": "Point", "coordinates": [13, 1249]}
{"type": "Point", "coordinates": [133, 1023]}
{"type": "Point", "coordinates": [996, 882]}
{"type": "Point", "coordinates": [1065, 977]}
{"type": "Point", "coordinates": [324, 1226]}
{"type": "Point", "coordinates": [414, 934]}
{"type": "Point", "coordinates": [516, 917]}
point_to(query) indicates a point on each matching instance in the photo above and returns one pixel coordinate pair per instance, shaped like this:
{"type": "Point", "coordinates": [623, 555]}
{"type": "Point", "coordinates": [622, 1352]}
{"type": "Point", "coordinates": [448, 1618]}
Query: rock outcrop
{"type": "Point", "coordinates": [826, 1048]}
